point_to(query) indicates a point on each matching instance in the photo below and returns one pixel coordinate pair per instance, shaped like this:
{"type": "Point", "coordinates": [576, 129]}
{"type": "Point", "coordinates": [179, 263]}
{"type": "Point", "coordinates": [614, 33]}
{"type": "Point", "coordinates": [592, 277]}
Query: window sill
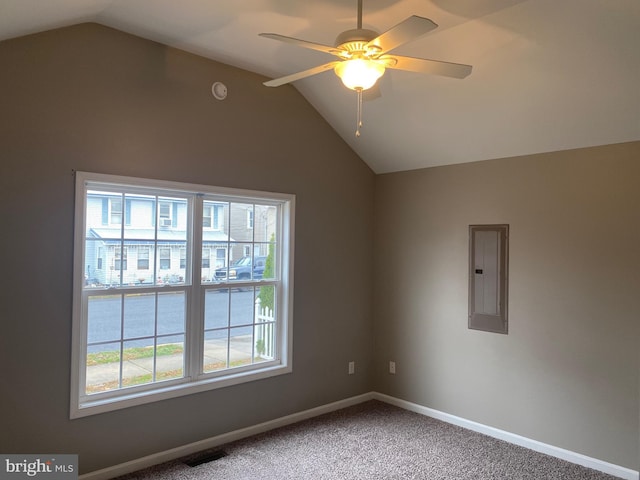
{"type": "Point", "coordinates": [90, 406]}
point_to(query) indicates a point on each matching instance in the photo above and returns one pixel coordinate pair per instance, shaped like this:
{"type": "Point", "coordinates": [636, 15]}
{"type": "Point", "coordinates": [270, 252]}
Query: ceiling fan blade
{"type": "Point", "coordinates": [302, 43]}
{"type": "Point", "coordinates": [423, 65]}
{"type": "Point", "coordinates": [407, 30]}
{"type": "Point", "coordinates": [276, 82]}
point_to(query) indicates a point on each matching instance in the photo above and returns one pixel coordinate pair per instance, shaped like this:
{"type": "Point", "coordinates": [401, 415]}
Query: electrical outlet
{"type": "Point", "coordinates": [392, 368]}
{"type": "Point", "coordinates": [352, 368]}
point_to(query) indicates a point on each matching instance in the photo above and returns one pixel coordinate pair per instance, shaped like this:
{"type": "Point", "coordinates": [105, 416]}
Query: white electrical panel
{"type": "Point", "coordinates": [488, 272]}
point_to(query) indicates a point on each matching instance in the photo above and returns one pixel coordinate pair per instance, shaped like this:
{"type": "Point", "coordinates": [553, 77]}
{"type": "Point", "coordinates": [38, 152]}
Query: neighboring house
{"type": "Point", "coordinates": [130, 253]}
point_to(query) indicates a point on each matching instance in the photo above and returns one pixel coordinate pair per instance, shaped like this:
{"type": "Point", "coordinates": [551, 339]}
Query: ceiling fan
{"type": "Point", "coordinates": [363, 55]}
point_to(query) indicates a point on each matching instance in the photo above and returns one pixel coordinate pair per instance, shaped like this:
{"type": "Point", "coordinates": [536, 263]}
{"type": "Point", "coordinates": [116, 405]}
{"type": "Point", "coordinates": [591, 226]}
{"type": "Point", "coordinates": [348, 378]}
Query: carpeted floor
{"type": "Point", "coordinates": [372, 441]}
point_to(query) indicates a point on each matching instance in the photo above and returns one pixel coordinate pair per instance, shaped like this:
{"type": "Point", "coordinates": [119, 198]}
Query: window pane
{"type": "Point", "coordinates": [137, 362]}
{"type": "Point", "coordinates": [264, 335]}
{"type": "Point", "coordinates": [215, 350]}
{"type": "Point", "coordinates": [240, 346]}
{"type": "Point", "coordinates": [242, 307]}
{"type": "Point", "coordinates": [265, 262]}
{"type": "Point", "coordinates": [170, 358]}
{"type": "Point", "coordinates": [139, 315]}
{"type": "Point", "coordinates": [218, 216]}
{"type": "Point", "coordinates": [178, 273]}
{"type": "Point", "coordinates": [140, 211]}
{"type": "Point", "coordinates": [241, 264]}
{"type": "Point", "coordinates": [265, 221]}
{"type": "Point", "coordinates": [139, 254]}
{"type": "Point", "coordinates": [216, 309]}
{"type": "Point", "coordinates": [97, 211]}
{"type": "Point", "coordinates": [265, 302]}
{"type": "Point", "coordinates": [103, 368]}
{"type": "Point", "coordinates": [104, 319]}
{"type": "Point", "coordinates": [169, 270]}
{"type": "Point", "coordinates": [171, 312]}
{"type": "Point", "coordinates": [216, 253]}
{"type": "Point", "coordinates": [172, 219]}
{"type": "Point", "coordinates": [240, 230]}
{"type": "Point", "coordinates": [265, 323]}
{"type": "Point", "coordinates": [95, 275]}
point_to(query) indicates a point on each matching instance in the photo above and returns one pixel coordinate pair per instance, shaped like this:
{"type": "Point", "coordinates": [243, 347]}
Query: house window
{"type": "Point", "coordinates": [207, 213]}
{"type": "Point", "coordinates": [120, 258]}
{"type": "Point", "coordinates": [488, 277]}
{"type": "Point", "coordinates": [115, 207]}
{"type": "Point", "coordinates": [143, 258]}
{"type": "Point", "coordinates": [164, 214]}
{"type": "Point", "coordinates": [212, 215]}
{"type": "Point", "coordinates": [183, 258]}
{"type": "Point", "coordinates": [165, 258]}
{"type": "Point", "coordinates": [206, 258]}
{"type": "Point", "coordinates": [190, 333]}
{"type": "Point", "coordinates": [221, 256]}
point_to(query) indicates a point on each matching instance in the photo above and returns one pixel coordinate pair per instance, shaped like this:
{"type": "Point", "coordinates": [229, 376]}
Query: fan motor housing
{"type": "Point", "coordinates": [357, 35]}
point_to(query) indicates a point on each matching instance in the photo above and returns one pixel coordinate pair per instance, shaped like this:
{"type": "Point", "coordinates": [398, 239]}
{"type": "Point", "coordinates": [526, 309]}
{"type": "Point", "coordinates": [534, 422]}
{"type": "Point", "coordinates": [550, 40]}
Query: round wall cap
{"type": "Point", "coordinates": [219, 90]}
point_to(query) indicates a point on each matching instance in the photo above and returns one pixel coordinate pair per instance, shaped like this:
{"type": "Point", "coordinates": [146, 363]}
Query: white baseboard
{"type": "Point", "coordinates": [535, 445]}
{"type": "Point", "coordinates": [212, 442]}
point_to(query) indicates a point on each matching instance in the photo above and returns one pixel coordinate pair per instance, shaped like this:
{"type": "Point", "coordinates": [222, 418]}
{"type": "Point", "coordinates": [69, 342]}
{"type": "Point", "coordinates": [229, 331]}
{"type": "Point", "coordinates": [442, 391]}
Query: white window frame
{"type": "Point", "coordinates": [194, 379]}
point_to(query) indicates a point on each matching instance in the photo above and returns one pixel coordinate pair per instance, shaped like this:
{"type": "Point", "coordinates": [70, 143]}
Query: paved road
{"type": "Point", "coordinates": [135, 317]}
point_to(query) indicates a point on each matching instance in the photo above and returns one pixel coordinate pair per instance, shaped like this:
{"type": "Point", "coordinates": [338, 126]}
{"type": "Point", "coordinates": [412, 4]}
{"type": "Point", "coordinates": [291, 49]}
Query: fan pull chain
{"type": "Point", "coordinates": [359, 115]}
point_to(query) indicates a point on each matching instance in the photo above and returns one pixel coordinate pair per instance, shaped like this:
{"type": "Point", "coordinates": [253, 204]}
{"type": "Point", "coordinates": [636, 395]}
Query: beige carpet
{"type": "Point", "coordinates": [372, 441]}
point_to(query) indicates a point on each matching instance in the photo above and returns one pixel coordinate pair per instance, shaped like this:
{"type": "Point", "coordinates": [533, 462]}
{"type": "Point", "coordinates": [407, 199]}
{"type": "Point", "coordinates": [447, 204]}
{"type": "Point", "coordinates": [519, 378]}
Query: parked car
{"type": "Point", "coordinates": [242, 269]}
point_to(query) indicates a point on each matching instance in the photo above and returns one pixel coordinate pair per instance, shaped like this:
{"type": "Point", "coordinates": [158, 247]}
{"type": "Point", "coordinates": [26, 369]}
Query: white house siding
{"type": "Point", "coordinates": [230, 237]}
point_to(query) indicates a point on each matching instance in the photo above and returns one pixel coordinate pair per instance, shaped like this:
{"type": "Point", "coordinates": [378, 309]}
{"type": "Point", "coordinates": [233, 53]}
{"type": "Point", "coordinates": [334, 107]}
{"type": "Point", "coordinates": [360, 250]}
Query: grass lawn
{"type": "Point", "coordinates": [132, 354]}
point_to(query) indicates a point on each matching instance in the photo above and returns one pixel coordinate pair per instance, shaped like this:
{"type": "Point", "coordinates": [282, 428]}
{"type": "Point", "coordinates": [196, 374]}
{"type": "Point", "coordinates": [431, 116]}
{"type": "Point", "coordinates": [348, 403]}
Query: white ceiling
{"type": "Point", "coordinates": [547, 74]}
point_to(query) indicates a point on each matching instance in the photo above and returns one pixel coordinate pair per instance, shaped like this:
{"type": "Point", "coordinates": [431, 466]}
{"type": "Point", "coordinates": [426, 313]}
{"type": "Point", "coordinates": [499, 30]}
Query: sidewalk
{"type": "Point", "coordinates": [215, 351]}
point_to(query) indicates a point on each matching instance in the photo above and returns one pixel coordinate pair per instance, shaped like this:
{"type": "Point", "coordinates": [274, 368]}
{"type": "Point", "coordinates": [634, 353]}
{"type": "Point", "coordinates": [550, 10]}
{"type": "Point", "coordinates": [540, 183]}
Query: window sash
{"type": "Point", "coordinates": [194, 379]}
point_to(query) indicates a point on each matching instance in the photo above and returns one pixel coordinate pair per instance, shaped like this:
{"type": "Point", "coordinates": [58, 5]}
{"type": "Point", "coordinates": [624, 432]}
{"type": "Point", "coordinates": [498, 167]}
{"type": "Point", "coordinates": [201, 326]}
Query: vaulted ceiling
{"type": "Point", "coordinates": [547, 75]}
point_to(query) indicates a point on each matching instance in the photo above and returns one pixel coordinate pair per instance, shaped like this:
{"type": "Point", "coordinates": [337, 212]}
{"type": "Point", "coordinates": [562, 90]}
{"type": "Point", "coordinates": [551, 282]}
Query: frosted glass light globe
{"type": "Point", "coordinates": [359, 73]}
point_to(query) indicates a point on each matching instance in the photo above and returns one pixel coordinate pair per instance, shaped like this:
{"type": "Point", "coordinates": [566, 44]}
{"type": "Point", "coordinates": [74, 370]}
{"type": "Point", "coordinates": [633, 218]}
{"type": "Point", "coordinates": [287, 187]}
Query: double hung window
{"type": "Point", "coordinates": [172, 321]}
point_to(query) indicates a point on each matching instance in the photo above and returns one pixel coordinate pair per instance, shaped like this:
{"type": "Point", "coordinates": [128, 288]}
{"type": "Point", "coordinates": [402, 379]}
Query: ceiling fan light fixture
{"type": "Point", "coordinates": [363, 56]}
{"type": "Point", "coordinates": [359, 73]}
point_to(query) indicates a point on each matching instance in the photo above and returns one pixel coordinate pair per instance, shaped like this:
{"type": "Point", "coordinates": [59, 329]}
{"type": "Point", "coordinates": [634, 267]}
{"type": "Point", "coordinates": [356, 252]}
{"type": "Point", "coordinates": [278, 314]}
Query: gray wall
{"type": "Point", "coordinates": [94, 99]}
{"type": "Point", "coordinates": [567, 374]}
{"type": "Point", "coordinates": [91, 98]}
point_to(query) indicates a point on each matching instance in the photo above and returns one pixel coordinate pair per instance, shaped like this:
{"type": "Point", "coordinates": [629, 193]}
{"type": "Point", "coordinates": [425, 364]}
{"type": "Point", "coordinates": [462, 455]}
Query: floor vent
{"type": "Point", "coordinates": [204, 457]}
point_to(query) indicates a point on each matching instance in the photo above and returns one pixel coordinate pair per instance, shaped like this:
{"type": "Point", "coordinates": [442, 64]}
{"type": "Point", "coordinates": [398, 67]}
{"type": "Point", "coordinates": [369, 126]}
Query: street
{"type": "Point", "coordinates": [110, 321]}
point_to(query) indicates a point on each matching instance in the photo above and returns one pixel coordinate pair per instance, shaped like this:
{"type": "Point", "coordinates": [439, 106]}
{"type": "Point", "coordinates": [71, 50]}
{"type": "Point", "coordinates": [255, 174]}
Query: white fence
{"type": "Point", "coordinates": [264, 346]}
